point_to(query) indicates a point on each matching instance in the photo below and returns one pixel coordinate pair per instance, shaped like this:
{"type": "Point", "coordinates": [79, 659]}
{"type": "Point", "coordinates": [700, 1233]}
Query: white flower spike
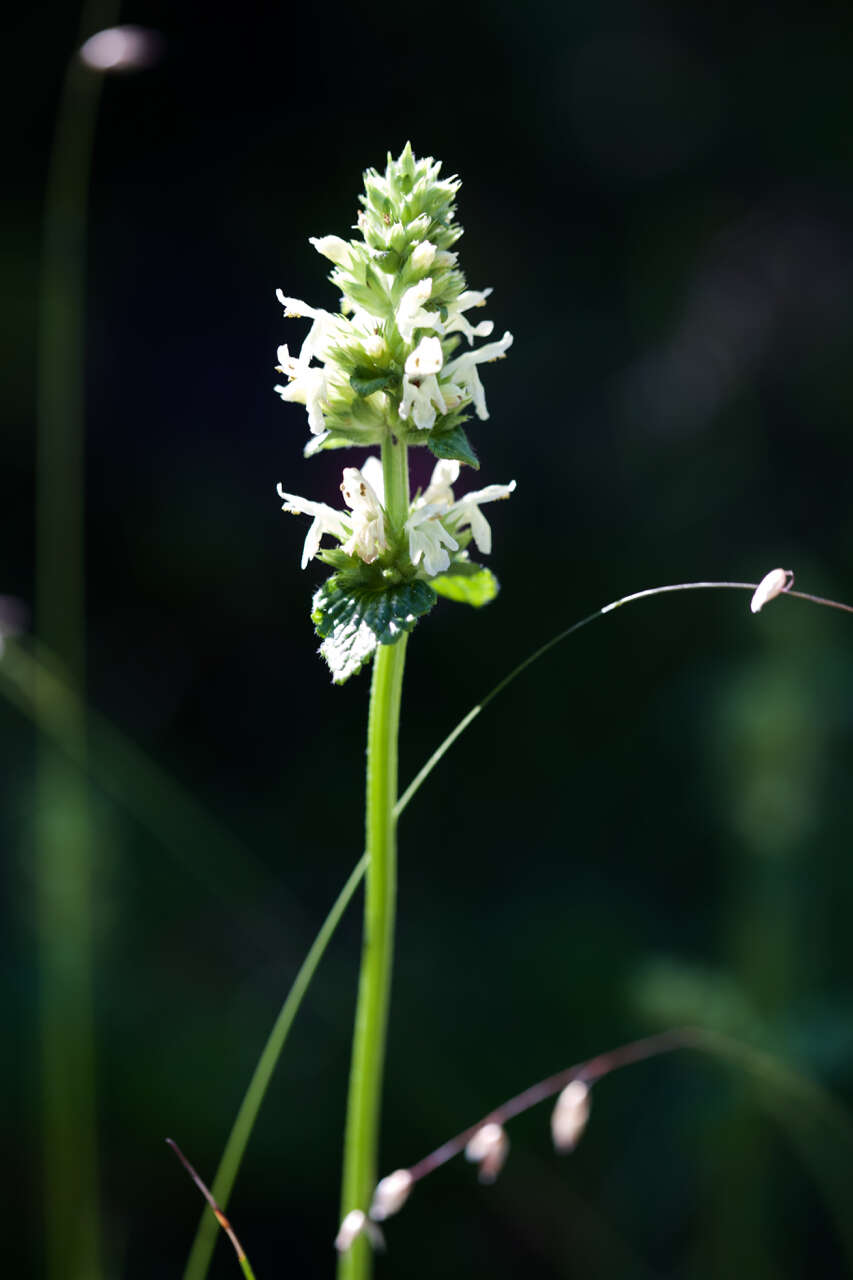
{"type": "Point", "coordinates": [770, 586]}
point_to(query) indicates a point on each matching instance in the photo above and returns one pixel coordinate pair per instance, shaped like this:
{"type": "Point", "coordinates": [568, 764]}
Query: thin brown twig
{"type": "Point", "coordinates": [220, 1216]}
{"type": "Point", "coordinates": [590, 1070]}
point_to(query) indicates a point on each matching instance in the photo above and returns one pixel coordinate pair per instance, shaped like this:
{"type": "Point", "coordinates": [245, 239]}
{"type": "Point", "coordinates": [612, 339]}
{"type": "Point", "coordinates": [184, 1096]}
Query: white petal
{"type": "Point", "coordinates": [426, 358]}
{"type": "Point", "coordinates": [332, 247]}
{"type": "Point", "coordinates": [371, 469]}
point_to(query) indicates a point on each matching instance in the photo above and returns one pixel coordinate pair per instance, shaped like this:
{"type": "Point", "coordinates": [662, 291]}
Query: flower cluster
{"type": "Point", "coordinates": [435, 526]}
{"type": "Point", "coordinates": [387, 357]}
{"type": "Point", "coordinates": [395, 366]}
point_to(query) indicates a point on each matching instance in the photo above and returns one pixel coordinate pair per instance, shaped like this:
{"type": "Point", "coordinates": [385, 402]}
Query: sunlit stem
{"type": "Point", "coordinates": [361, 1139]}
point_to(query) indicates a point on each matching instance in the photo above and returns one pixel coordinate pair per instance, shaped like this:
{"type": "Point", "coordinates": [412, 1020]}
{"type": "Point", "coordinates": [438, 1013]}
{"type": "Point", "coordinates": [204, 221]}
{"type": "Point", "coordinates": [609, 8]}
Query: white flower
{"type": "Point", "coordinates": [326, 520]}
{"type": "Point", "coordinates": [439, 491]}
{"type": "Point", "coordinates": [361, 530]}
{"type": "Point", "coordinates": [333, 248]}
{"type": "Point", "coordinates": [421, 392]}
{"type": "Point", "coordinates": [467, 512]}
{"type": "Point", "coordinates": [429, 540]}
{"type": "Point", "coordinates": [428, 536]}
{"type": "Point", "coordinates": [307, 385]}
{"type": "Point", "coordinates": [410, 314]}
{"type": "Point", "coordinates": [456, 322]}
{"type": "Point", "coordinates": [317, 341]}
{"type": "Point", "coordinates": [770, 586]}
{"type": "Point", "coordinates": [465, 376]}
{"type": "Point", "coordinates": [368, 538]}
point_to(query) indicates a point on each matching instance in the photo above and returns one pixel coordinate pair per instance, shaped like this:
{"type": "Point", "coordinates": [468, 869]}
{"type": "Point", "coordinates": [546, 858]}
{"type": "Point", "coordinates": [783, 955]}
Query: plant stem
{"type": "Point", "coordinates": [65, 857]}
{"type": "Point", "coordinates": [361, 1139]}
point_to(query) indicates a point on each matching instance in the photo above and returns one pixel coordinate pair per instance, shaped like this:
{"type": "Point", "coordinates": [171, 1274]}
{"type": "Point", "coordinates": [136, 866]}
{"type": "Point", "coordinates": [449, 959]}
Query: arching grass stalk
{"type": "Point", "coordinates": [807, 1112]}
{"type": "Point", "coordinates": [241, 1131]}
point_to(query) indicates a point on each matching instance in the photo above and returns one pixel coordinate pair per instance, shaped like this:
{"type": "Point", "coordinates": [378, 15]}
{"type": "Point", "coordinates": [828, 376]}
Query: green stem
{"type": "Point", "coordinates": [368, 1055]}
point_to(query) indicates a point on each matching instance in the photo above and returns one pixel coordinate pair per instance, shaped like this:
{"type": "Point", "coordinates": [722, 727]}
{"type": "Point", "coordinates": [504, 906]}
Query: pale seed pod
{"type": "Point", "coordinates": [357, 1223]}
{"type": "Point", "coordinates": [391, 1194]}
{"type": "Point", "coordinates": [570, 1116]}
{"type": "Point", "coordinates": [488, 1148]}
{"type": "Point", "coordinates": [770, 586]}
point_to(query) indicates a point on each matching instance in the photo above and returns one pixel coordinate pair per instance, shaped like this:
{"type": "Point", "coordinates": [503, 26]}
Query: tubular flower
{"type": "Point", "coordinates": [421, 392]}
{"type": "Point", "coordinates": [429, 540]}
{"type": "Point", "coordinates": [463, 370]}
{"type": "Point", "coordinates": [368, 538]}
{"type": "Point", "coordinates": [458, 514]}
{"type": "Point", "coordinates": [411, 315]}
{"type": "Point", "coordinates": [361, 530]}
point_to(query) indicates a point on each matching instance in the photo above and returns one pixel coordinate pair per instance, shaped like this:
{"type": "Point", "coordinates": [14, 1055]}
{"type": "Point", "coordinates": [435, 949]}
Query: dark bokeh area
{"type": "Point", "coordinates": [650, 827]}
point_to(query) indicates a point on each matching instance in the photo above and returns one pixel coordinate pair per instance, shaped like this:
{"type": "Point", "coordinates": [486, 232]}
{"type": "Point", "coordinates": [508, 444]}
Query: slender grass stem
{"type": "Point", "coordinates": [203, 1245]}
{"type": "Point", "coordinates": [64, 852]}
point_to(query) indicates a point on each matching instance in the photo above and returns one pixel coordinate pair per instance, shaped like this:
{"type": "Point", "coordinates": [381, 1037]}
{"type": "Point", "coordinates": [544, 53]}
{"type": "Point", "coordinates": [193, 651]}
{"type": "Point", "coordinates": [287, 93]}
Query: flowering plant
{"type": "Point", "coordinates": [386, 370]}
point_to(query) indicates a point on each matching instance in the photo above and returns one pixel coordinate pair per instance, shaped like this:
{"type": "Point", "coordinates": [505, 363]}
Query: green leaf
{"type": "Point", "coordinates": [352, 620]}
{"type": "Point", "coordinates": [453, 444]}
{"type": "Point", "coordinates": [467, 583]}
{"type": "Point", "coordinates": [365, 381]}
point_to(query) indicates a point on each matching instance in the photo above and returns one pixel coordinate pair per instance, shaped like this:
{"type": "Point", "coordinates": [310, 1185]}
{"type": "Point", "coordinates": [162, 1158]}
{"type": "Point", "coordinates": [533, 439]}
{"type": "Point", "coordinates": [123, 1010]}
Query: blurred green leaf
{"type": "Point", "coordinates": [467, 583]}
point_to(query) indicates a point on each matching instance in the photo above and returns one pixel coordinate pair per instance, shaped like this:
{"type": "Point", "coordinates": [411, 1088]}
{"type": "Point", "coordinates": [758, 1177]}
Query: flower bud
{"type": "Point", "coordinates": [423, 255]}
{"type": "Point", "coordinates": [488, 1148]}
{"type": "Point", "coordinates": [770, 586]}
{"type": "Point", "coordinates": [569, 1117]}
{"type": "Point", "coordinates": [333, 248]}
{"type": "Point", "coordinates": [391, 1194]}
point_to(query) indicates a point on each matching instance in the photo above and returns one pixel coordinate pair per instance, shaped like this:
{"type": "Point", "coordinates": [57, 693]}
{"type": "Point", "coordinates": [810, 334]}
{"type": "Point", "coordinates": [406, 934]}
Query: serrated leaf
{"type": "Point", "coordinates": [352, 621]}
{"type": "Point", "coordinates": [453, 444]}
{"type": "Point", "coordinates": [467, 583]}
{"type": "Point", "coordinates": [364, 382]}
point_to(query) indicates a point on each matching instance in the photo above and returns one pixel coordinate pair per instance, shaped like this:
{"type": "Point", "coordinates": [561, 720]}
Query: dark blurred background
{"type": "Point", "coordinates": [653, 825]}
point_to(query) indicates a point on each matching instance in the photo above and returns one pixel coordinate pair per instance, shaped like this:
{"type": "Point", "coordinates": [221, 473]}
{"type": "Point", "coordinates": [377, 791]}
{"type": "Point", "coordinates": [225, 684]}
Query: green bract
{"type": "Point", "coordinates": [395, 366]}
